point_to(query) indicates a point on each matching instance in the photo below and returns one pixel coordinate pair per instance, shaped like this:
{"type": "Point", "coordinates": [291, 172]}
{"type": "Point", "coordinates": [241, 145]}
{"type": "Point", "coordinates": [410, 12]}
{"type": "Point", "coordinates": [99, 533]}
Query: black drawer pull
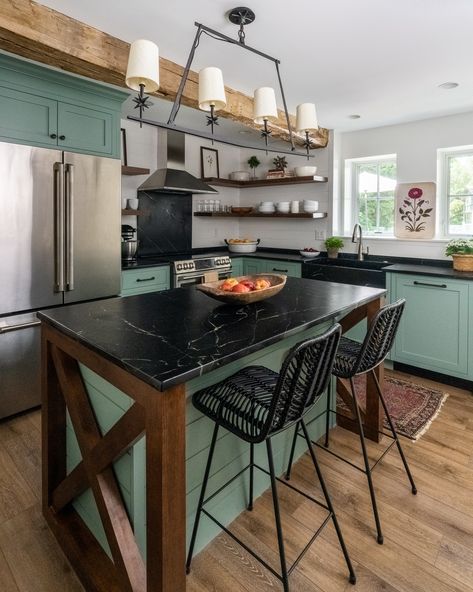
{"type": "Point", "coordinates": [283, 270]}
{"type": "Point", "coordinates": [150, 279]}
{"type": "Point", "coordinates": [430, 285]}
{"type": "Point", "coordinates": [62, 137]}
{"type": "Point", "coordinates": [53, 136]}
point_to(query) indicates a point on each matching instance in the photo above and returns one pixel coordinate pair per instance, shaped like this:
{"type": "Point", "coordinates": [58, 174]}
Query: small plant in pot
{"type": "Point", "coordinates": [333, 244]}
{"type": "Point", "coordinates": [461, 250]}
{"type": "Point", "coordinates": [253, 162]}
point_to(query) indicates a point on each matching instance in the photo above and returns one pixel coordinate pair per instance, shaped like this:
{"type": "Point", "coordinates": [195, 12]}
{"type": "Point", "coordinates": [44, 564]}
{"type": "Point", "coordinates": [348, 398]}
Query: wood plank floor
{"type": "Point", "coordinates": [428, 538]}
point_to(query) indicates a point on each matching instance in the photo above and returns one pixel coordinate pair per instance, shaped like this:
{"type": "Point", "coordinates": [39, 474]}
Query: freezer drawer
{"type": "Point", "coordinates": [19, 364]}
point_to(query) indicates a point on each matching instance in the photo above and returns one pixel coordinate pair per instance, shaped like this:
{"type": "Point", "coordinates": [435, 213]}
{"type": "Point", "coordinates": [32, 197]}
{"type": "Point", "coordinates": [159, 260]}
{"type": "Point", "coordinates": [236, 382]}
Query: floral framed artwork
{"type": "Point", "coordinates": [415, 210]}
{"type": "Point", "coordinates": [209, 166]}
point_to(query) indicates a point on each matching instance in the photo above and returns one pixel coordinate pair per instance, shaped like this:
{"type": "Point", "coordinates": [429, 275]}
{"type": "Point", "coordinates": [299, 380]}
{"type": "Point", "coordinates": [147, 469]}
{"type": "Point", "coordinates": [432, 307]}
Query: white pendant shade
{"type": "Point", "coordinates": [306, 118]}
{"type": "Point", "coordinates": [143, 66]}
{"type": "Point", "coordinates": [211, 89]}
{"type": "Point", "coordinates": [264, 105]}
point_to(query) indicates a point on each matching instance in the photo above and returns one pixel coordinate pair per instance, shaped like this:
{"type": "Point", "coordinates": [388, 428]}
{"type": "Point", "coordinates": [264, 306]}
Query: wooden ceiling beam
{"type": "Point", "coordinates": [39, 33]}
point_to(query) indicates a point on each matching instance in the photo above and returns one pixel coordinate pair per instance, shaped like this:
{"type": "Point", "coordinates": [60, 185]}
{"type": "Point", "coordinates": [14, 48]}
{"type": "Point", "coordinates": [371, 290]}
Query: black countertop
{"type": "Point", "coordinates": [167, 338]}
{"type": "Point", "coordinates": [434, 270]}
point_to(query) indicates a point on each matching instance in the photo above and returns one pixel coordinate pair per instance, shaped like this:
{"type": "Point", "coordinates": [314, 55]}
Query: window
{"type": "Point", "coordinates": [459, 192]}
{"type": "Point", "coordinates": [374, 183]}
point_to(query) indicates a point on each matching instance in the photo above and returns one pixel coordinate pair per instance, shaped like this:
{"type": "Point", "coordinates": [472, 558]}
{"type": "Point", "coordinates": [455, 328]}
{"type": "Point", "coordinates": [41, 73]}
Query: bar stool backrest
{"type": "Point", "coordinates": [304, 376]}
{"type": "Point", "coordinates": [379, 337]}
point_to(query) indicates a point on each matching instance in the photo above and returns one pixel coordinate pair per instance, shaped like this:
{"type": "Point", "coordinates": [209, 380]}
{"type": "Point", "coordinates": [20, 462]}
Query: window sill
{"type": "Point", "coordinates": [400, 240]}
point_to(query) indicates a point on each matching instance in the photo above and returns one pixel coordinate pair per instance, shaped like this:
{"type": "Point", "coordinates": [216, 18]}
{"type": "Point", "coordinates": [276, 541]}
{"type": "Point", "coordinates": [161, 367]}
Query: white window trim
{"type": "Point", "coordinates": [443, 182]}
{"type": "Point", "coordinates": [350, 213]}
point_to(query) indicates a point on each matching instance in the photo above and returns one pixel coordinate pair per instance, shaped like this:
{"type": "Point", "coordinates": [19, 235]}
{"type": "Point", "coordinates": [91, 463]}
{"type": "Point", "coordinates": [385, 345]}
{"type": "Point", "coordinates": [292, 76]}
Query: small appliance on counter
{"type": "Point", "coordinates": [129, 243]}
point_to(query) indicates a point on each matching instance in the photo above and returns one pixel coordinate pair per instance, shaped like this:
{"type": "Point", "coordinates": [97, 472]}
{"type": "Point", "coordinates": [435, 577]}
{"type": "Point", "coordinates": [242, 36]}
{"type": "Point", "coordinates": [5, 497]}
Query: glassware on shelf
{"type": "Point", "coordinates": [218, 206]}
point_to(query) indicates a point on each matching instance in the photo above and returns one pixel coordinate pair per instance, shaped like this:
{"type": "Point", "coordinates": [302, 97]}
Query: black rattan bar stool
{"type": "Point", "coordinates": [355, 358]}
{"type": "Point", "coordinates": [255, 404]}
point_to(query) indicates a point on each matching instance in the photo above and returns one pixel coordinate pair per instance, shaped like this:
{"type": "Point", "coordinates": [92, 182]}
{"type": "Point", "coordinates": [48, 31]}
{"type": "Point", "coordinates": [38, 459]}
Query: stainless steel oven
{"type": "Point", "coordinates": [201, 270]}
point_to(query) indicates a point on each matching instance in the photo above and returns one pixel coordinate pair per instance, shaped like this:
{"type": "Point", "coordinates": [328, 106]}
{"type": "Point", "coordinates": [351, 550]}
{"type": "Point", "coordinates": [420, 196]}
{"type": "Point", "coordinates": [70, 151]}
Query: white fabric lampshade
{"type": "Point", "coordinates": [143, 66]}
{"type": "Point", "coordinates": [306, 118]}
{"type": "Point", "coordinates": [211, 89]}
{"type": "Point", "coordinates": [264, 105]}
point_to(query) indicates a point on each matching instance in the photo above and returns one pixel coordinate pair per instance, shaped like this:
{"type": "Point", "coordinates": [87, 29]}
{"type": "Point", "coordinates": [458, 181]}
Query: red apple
{"type": "Point", "coordinates": [249, 283]}
{"type": "Point", "coordinates": [240, 288]}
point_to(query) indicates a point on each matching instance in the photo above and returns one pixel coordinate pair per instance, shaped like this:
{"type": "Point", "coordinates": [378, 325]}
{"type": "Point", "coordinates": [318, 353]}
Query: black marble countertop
{"type": "Point", "coordinates": [434, 270]}
{"type": "Point", "coordinates": [167, 338]}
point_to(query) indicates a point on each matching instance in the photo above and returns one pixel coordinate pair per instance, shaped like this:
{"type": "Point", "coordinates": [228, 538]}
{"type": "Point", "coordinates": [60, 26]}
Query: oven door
{"type": "Point", "coordinates": [194, 279]}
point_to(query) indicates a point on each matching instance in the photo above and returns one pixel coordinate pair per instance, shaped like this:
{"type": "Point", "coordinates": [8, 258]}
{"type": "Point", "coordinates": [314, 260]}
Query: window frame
{"type": "Point", "coordinates": [444, 174]}
{"type": "Point", "coordinates": [354, 165]}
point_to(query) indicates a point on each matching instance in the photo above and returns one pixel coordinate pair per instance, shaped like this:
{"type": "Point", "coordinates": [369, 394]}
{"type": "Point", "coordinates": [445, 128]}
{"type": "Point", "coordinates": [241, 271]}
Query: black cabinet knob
{"type": "Point", "coordinates": [53, 136]}
{"type": "Point", "coordinates": [62, 137]}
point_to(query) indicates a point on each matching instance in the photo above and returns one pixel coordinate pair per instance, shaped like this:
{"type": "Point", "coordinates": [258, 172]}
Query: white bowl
{"type": "Point", "coordinates": [242, 247]}
{"type": "Point", "coordinates": [267, 203]}
{"type": "Point", "coordinates": [240, 176]}
{"type": "Point", "coordinates": [305, 171]}
{"type": "Point", "coordinates": [311, 202]}
{"type": "Point", "coordinates": [310, 254]}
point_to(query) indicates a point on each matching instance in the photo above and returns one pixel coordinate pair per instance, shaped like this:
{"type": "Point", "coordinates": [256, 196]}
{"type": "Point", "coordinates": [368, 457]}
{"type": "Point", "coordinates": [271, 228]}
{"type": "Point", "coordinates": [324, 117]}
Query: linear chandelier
{"type": "Point", "coordinates": [143, 76]}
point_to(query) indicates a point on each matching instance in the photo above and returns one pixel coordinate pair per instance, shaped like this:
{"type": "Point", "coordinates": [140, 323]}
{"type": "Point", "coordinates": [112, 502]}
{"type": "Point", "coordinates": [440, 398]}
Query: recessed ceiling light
{"type": "Point", "coordinates": [448, 85]}
{"type": "Point", "coordinates": [354, 116]}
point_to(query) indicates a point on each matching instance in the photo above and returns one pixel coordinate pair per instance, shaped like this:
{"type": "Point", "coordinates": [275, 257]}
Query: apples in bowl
{"type": "Point", "coordinates": [244, 289]}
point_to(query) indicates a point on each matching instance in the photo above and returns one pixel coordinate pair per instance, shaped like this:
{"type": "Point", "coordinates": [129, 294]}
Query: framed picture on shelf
{"type": "Point", "coordinates": [209, 163]}
{"type": "Point", "coordinates": [123, 147]}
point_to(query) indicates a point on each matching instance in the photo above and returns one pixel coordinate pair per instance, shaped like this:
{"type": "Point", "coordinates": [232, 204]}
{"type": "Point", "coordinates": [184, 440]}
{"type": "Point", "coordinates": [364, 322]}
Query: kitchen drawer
{"type": "Point", "coordinates": [289, 268]}
{"type": "Point", "coordinates": [149, 279]}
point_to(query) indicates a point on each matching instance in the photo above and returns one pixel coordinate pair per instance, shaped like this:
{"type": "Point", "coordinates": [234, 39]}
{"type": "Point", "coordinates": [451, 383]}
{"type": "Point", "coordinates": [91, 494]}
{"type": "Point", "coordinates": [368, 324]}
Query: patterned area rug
{"type": "Point", "coordinates": [412, 407]}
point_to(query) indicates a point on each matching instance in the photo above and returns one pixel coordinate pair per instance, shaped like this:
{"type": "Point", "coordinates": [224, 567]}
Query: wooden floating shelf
{"type": "Point", "coordinates": [304, 215]}
{"type": "Point", "coordinates": [265, 182]}
{"type": "Point", "coordinates": [133, 171]}
{"type": "Point", "coordinates": [134, 212]}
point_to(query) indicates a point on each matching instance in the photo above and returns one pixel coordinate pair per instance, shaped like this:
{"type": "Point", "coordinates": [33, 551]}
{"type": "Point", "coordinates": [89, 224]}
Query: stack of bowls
{"type": "Point", "coordinates": [310, 206]}
{"type": "Point", "coordinates": [267, 207]}
{"type": "Point", "coordinates": [283, 207]}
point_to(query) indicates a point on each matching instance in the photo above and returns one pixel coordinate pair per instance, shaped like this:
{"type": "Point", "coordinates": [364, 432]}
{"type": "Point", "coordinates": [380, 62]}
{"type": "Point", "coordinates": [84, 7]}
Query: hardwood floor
{"type": "Point", "coordinates": [428, 538]}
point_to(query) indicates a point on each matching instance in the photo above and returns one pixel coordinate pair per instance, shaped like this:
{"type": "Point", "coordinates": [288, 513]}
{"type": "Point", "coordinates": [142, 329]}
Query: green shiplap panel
{"type": "Point", "coordinates": [86, 129]}
{"type": "Point", "coordinates": [237, 266]}
{"type": "Point", "coordinates": [27, 118]}
{"type": "Point", "coordinates": [433, 332]}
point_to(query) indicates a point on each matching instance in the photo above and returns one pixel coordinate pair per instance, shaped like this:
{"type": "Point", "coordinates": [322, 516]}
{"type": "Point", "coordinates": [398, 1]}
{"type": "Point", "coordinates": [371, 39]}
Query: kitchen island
{"type": "Point", "coordinates": [117, 375]}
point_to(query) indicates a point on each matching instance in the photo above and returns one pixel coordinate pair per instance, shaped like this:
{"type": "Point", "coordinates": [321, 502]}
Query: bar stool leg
{"type": "Point", "coordinates": [201, 498]}
{"type": "Point", "coordinates": [327, 417]}
{"type": "Point", "coordinates": [252, 470]}
{"type": "Point", "coordinates": [394, 432]}
{"type": "Point", "coordinates": [293, 449]}
{"type": "Point", "coordinates": [352, 577]}
{"type": "Point", "coordinates": [274, 491]}
{"type": "Point", "coordinates": [380, 537]}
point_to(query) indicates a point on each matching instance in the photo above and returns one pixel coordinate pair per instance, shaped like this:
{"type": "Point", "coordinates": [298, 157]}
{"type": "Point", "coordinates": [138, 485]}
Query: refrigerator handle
{"type": "Point", "coordinates": [59, 227]}
{"type": "Point", "coordinates": [69, 227]}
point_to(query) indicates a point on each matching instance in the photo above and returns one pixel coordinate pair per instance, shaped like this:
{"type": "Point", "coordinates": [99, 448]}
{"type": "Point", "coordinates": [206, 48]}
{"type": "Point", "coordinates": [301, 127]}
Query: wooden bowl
{"type": "Point", "coordinates": [241, 210]}
{"type": "Point", "coordinates": [213, 290]}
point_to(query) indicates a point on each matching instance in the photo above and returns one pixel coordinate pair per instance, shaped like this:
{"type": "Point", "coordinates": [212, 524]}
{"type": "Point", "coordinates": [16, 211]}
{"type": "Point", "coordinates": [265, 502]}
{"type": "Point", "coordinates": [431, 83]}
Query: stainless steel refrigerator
{"type": "Point", "coordinates": [59, 243]}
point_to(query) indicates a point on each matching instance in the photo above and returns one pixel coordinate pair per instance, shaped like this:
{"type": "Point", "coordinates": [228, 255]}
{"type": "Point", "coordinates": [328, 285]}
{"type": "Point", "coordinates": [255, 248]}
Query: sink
{"type": "Point", "coordinates": [347, 271]}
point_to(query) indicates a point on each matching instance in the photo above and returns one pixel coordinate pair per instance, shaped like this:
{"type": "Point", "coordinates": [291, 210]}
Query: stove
{"type": "Point", "coordinates": [199, 270]}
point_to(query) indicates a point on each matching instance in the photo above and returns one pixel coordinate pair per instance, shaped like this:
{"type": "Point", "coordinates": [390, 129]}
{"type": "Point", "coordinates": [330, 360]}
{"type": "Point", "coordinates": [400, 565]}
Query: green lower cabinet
{"type": "Point", "coordinates": [231, 454]}
{"type": "Point", "coordinates": [143, 280]}
{"type": "Point", "coordinates": [434, 329]}
{"type": "Point", "coordinates": [237, 267]}
{"type": "Point", "coordinates": [255, 266]}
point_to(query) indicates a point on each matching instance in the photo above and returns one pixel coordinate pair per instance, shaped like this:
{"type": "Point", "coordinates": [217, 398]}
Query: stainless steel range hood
{"type": "Point", "coordinates": [171, 176]}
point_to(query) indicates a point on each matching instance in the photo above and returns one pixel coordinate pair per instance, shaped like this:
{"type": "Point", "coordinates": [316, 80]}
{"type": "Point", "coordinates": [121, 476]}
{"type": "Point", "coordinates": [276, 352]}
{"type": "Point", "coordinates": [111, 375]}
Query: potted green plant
{"type": "Point", "coordinates": [333, 244]}
{"type": "Point", "coordinates": [461, 249]}
{"type": "Point", "coordinates": [253, 162]}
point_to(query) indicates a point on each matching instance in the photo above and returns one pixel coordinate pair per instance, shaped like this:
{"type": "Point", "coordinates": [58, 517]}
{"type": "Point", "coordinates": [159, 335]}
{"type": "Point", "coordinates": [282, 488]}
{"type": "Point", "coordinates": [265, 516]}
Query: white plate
{"type": "Point", "coordinates": [310, 254]}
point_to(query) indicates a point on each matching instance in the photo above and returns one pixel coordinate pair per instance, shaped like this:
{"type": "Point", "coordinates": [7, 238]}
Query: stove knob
{"type": "Point", "coordinates": [217, 262]}
{"type": "Point", "coordinates": [186, 265]}
{"type": "Point", "coordinates": [178, 267]}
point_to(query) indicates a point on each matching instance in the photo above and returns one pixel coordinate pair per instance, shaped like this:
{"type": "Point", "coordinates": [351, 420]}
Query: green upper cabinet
{"type": "Point", "coordinates": [43, 107]}
{"type": "Point", "coordinates": [434, 329]}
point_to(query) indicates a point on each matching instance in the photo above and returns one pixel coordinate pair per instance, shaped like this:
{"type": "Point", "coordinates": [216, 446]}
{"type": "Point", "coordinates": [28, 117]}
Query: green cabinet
{"type": "Point", "coordinates": [143, 280]}
{"type": "Point", "coordinates": [42, 107]}
{"type": "Point", "coordinates": [253, 265]}
{"type": "Point", "coordinates": [237, 267]}
{"type": "Point", "coordinates": [435, 328]}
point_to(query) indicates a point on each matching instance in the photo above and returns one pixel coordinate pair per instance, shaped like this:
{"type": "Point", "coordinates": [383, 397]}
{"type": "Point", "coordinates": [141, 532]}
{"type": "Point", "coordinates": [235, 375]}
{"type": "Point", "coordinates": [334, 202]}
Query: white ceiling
{"type": "Point", "coordinates": [381, 59]}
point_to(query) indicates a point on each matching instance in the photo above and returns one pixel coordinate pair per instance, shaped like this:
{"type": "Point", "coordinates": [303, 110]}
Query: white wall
{"type": "Point", "coordinates": [415, 145]}
{"type": "Point", "coordinates": [142, 145]}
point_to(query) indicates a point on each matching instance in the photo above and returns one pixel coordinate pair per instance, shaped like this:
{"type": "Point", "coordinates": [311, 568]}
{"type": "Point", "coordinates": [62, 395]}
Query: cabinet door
{"type": "Point", "coordinates": [237, 267]}
{"type": "Point", "coordinates": [85, 129]}
{"type": "Point", "coordinates": [27, 118]}
{"type": "Point", "coordinates": [254, 266]}
{"type": "Point", "coordinates": [433, 332]}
